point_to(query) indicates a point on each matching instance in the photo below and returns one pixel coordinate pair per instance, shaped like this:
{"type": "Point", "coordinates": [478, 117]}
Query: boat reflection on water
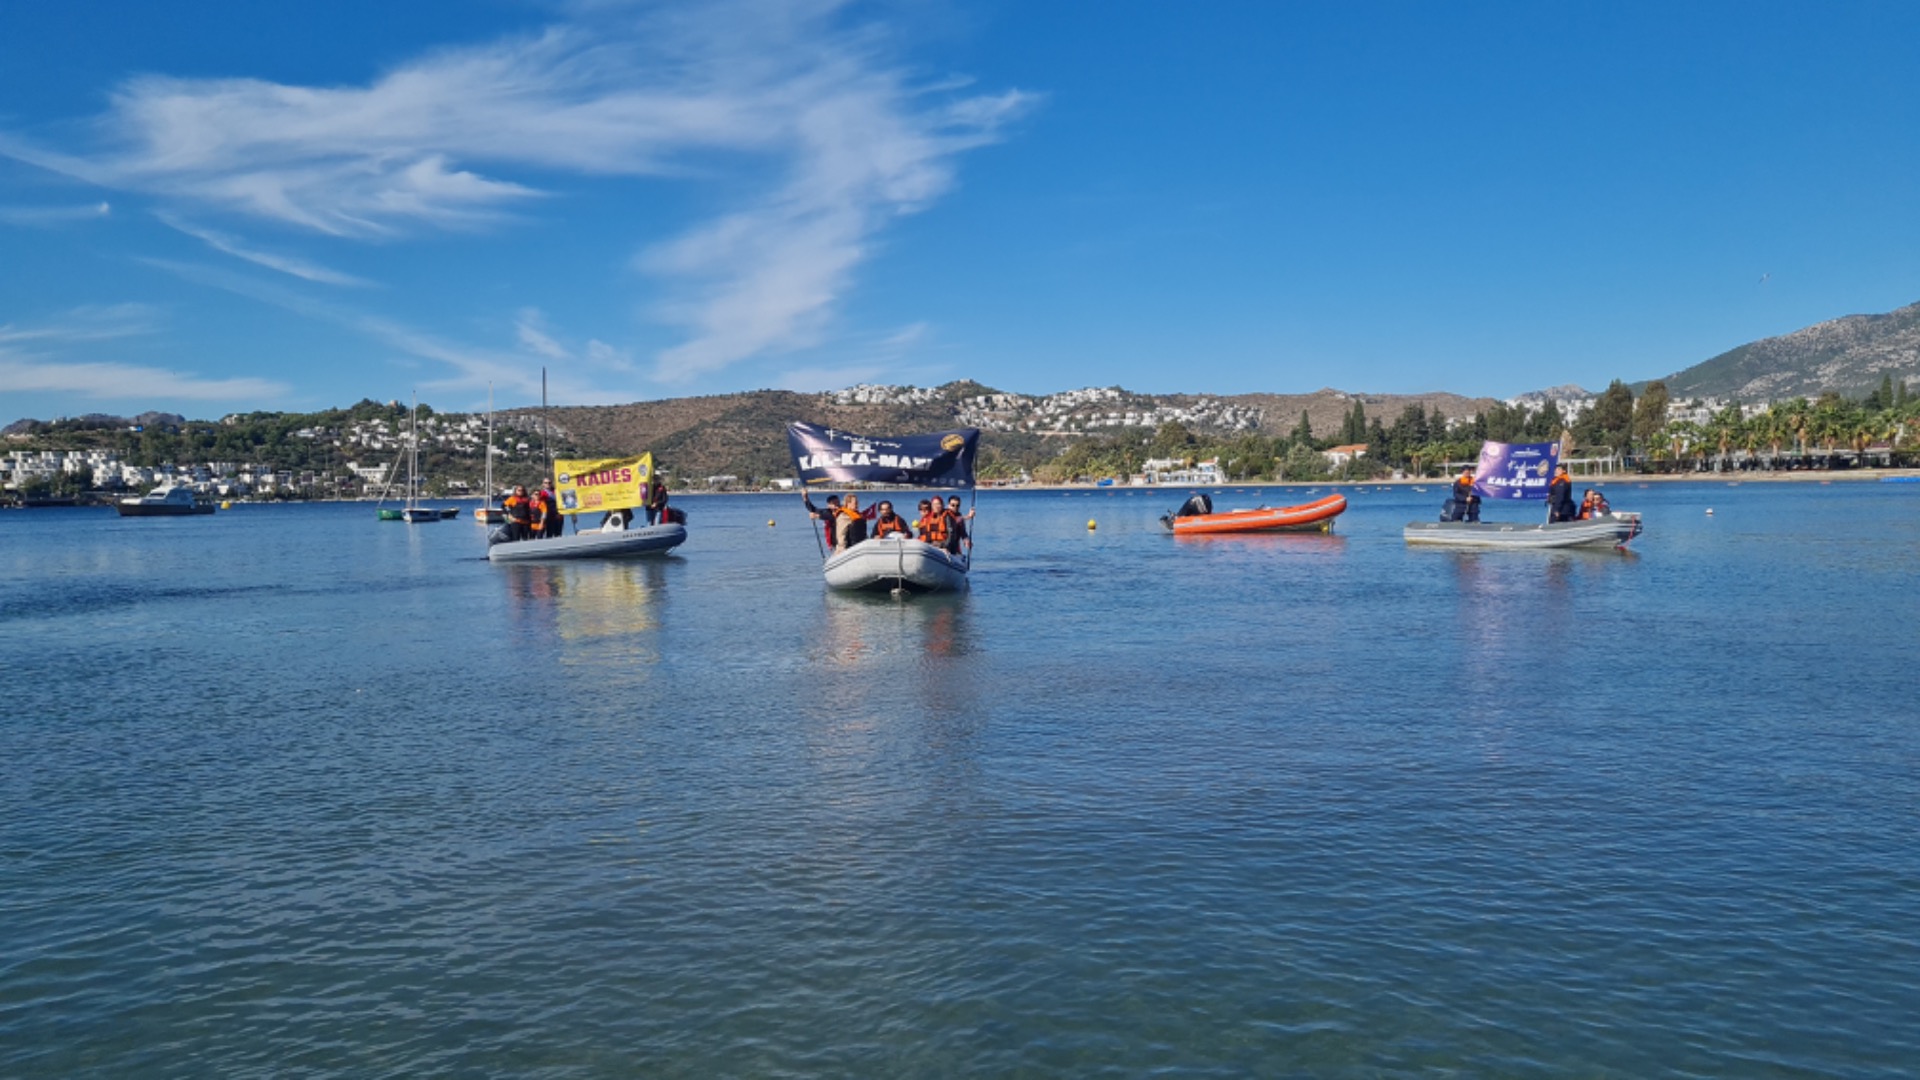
{"type": "Point", "coordinates": [614, 605]}
{"type": "Point", "coordinates": [901, 703]}
{"type": "Point", "coordinates": [891, 637]}
{"type": "Point", "coordinates": [1511, 604]}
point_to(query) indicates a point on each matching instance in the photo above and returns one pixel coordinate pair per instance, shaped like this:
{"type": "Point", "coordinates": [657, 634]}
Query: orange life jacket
{"type": "Point", "coordinates": [888, 527]}
{"type": "Point", "coordinates": [933, 527]}
{"type": "Point", "coordinates": [519, 510]}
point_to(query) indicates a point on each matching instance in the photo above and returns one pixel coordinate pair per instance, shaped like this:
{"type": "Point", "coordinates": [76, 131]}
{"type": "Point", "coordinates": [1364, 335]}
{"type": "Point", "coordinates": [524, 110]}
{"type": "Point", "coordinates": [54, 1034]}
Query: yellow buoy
{"type": "Point", "coordinates": [226, 504]}
{"type": "Point", "coordinates": [1092, 525]}
{"type": "Point", "coordinates": [769, 523]}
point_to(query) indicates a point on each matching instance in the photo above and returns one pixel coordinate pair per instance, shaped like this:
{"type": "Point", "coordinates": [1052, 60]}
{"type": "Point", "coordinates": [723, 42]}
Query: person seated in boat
{"type": "Point", "coordinates": [1593, 505]}
{"type": "Point", "coordinates": [887, 523]}
{"type": "Point", "coordinates": [1560, 497]}
{"type": "Point", "coordinates": [519, 510]}
{"type": "Point", "coordinates": [828, 518]}
{"type": "Point", "coordinates": [1463, 504]}
{"type": "Point", "coordinates": [656, 500]}
{"type": "Point", "coordinates": [931, 525]}
{"type": "Point", "coordinates": [958, 533]}
{"type": "Point", "coordinates": [851, 525]}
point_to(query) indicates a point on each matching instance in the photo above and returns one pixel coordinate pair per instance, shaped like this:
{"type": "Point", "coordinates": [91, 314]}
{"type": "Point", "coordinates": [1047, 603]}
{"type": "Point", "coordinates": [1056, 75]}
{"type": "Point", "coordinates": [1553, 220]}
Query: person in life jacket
{"type": "Point", "coordinates": [851, 525]}
{"type": "Point", "coordinates": [828, 518]}
{"type": "Point", "coordinates": [887, 523]}
{"type": "Point", "coordinates": [519, 510]}
{"type": "Point", "coordinates": [1560, 497]}
{"type": "Point", "coordinates": [1593, 504]}
{"type": "Point", "coordinates": [933, 523]}
{"type": "Point", "coordinates": [958, 534]}
{"type": "Point", "coordinates": [656, 500]}
{"type": "Point", "coordinates": [1463, 505]}
{"type": "Point", "coordinates": [551, 523]}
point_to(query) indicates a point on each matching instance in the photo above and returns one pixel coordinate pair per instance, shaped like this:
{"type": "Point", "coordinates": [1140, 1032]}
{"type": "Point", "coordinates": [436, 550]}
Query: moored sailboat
{"type": "Point", "coordinates": [414, 513]}
{"type": "Point", "coordinates": [487, 513]}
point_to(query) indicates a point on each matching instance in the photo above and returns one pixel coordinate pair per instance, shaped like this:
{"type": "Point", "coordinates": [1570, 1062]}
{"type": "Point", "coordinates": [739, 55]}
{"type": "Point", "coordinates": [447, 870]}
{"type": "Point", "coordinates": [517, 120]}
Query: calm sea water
{"type": "Point", "coordinates": [291, 791]}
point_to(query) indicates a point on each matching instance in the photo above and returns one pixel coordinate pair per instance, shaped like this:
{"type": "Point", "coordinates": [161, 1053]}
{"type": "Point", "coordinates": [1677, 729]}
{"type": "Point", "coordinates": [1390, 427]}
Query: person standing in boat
{"type": "Point", "coordinates": [828, 518]}
{"type": "Point", "coordinates": [958, 533]}
{"type": "Point", "coordinates": [656, 501]}
{"type": "Point", "coordinates": [1560, 497]}
{"type": "Point", "coordinates": [519, 510]}
{"type": "Point", "coordinates": [551, 523]}
{"type": "Point", "coordinates": [1464, 505]}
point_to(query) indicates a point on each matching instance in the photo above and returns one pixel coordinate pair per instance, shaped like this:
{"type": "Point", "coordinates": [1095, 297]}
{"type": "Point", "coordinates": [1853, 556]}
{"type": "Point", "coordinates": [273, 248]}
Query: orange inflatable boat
{"type": "Point", "coordinates": [1197, 518]}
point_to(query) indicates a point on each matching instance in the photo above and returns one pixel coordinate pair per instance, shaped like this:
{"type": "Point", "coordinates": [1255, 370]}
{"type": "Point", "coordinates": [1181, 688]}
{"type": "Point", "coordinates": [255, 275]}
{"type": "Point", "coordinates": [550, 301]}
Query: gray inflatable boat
{"type": "Point", "coordinates": [624, 544]}
{"type": "Point", "coordinates": [1606, 530]}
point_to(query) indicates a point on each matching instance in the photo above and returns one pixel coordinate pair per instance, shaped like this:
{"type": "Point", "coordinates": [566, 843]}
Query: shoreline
{"type": "Point", "coordinates": [1801, 476]}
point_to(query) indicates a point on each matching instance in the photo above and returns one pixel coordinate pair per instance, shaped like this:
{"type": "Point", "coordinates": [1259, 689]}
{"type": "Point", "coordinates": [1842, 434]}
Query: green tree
{"type": "Point", "coordinates": [1610, 422]}
{"type": "Point", "coordinates": [1649, 414]}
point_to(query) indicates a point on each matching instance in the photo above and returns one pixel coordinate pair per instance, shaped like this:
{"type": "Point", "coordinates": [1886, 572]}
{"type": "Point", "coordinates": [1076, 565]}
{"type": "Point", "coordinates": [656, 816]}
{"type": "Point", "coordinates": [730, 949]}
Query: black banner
{"type": "Point", "coordinates": [829, 455]}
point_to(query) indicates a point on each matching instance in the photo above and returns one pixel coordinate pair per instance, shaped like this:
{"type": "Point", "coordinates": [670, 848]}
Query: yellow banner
{"type": "Point", "coordinates": [592, 485]}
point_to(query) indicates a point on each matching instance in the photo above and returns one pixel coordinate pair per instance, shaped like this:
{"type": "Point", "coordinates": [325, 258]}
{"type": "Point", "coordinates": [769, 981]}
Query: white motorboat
{"type": "Point", "coordinates": [167, 500]}
{"type": "Point", "coordinates": [592, 544]}
{"type": "Point", "coordinates": [895, 562]}
{"type": "Point", "coordinates": [1605, 530]}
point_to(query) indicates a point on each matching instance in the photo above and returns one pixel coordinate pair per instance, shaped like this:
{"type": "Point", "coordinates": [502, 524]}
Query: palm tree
{"type": "Point", "coordinates": [1777, 430]}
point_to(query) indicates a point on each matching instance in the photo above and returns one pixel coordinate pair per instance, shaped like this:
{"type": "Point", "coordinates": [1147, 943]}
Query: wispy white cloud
{"type": "Point", "coordinates": [534, 338]}
{"type": "Point", "coordinates": [509, 369]}
{"type": "Point", "coordinates": [286, 264]}
{"type": "Point", "coordinates": [92, 322]}
{"type": "Point", "coordinates": [125, 382]}
{"type": "Point", "coordinates": [43, 217]}
{"type": "Point", "coordinates": [32, 361]}
{"type": "Point", "coordinates": [886, 358]}
{"type": "Point", "coordinates": [816, 126]}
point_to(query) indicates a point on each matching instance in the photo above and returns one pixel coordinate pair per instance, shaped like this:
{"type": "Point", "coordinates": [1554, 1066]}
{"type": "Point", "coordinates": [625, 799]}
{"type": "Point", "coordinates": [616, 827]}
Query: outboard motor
{"type": "Point", "coordinates": [1197, 506]}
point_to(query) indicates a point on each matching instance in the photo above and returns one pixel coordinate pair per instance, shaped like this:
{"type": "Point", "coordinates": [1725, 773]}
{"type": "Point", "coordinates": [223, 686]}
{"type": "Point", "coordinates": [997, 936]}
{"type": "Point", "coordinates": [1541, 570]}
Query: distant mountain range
{"type": "Point", "coordinates": [1850, 356]}
{"type": "Point", "coordinates": [742, 434]}
{"type": "Point", "coordinates": [102, 420]}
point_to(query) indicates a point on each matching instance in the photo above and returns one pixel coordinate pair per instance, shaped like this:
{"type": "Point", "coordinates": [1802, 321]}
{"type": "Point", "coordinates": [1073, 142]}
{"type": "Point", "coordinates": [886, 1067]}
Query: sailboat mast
{"type": "Point", "coordinates": [546, 433]}
{"type": "Point", "coordinates": [486, 492]}
{"type": "Point", "coordinates": [413, 450]}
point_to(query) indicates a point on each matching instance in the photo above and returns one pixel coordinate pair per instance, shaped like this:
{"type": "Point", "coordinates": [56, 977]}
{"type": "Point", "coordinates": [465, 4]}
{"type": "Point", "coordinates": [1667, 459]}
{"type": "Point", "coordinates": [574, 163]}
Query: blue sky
{"type": "Point", "coordinates": [231, 205]}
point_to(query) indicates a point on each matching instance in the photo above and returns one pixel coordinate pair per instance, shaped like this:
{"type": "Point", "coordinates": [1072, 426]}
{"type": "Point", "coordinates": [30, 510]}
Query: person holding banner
{"type": "Point", "coordinates": [828, 518]}
{"type": "Point", "coordinates": [957, 530]}
{"type": "Point", "coordinates": [1560, 497]}
{"type": "Point", "coordinates": [656, 501]}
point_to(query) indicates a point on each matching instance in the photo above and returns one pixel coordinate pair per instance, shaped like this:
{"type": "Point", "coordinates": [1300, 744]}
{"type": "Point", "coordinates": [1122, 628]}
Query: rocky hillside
{"type": "Point", "coordinates": [1850, 356]}
{"type": "Point", "coordinates": [745, 434]}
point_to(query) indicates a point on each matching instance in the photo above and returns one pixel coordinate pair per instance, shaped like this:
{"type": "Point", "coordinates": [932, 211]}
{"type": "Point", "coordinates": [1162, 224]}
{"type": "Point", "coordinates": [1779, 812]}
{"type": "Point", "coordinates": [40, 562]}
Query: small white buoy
{"type": "Point", "coordinates": [1709, 511]}
{"type": "Point", "coordinates": [1092, 525]}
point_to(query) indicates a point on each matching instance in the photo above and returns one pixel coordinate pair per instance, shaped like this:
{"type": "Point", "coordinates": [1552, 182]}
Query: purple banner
{"type": "Point", "coordinates": [1515, 470]}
